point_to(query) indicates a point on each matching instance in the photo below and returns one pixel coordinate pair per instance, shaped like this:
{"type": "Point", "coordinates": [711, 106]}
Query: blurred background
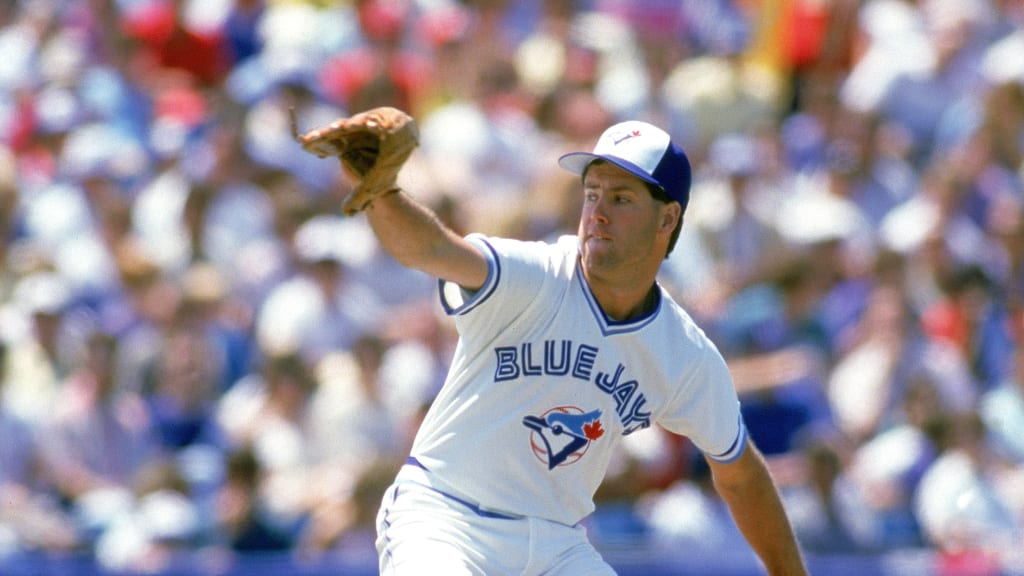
{"type": "Point", "coordinates": [207, 370]}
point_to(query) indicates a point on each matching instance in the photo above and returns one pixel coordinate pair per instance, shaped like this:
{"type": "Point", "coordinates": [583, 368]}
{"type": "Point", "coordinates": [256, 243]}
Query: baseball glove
{"type": "Point", "coordinates": [372, 147]}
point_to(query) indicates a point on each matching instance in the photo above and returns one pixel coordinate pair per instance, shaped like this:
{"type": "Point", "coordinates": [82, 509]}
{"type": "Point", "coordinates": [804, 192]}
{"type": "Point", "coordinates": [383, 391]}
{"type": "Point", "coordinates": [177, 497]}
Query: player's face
{"type": "Point", "coordinates": [620, 223]}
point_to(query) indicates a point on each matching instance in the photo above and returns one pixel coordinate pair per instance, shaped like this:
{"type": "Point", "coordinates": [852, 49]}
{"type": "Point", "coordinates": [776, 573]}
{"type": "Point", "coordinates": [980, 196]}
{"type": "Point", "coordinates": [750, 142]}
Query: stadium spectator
{"type": "Point", "coordinates": [30, 517]}
{"type": "Point", "coordinates": [98, 438]}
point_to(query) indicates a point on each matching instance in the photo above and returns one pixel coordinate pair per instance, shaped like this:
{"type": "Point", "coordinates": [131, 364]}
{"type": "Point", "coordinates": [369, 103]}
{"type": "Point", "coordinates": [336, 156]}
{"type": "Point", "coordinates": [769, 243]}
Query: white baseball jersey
{"type": "Point", "coordinates": [543, 385]}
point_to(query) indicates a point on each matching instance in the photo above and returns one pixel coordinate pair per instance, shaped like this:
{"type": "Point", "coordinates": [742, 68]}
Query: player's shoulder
{"type": "Point", "coordinates": [678, 320]}
{"type": "Point", "coordinates": [562, 242]}
{"type": "Point", "coordinates": [561, 248]}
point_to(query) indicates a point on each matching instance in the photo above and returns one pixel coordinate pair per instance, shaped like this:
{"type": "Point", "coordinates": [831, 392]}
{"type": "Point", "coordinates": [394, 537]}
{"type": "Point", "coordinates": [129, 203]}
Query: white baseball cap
{"type": "Point", "coordinates": [643, 150]}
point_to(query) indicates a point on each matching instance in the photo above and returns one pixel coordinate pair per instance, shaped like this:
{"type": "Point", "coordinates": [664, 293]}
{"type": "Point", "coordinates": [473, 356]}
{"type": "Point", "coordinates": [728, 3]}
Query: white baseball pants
{"type": "Point", "coordinates": [421, 531]}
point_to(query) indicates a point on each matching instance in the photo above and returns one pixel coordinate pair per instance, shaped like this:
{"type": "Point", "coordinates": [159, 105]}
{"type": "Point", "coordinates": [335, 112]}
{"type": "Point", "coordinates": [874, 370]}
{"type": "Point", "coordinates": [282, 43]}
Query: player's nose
{"type": "Point", "coordinates": [598, 208]}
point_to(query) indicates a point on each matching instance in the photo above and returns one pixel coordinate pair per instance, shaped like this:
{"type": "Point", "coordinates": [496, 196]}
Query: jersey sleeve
{"type": "Point", "coordinates": [707, 408]}
{"type": "Point", "coordinates": [516, 276]}
{"type": "Point", "coordinates": [455, 299]}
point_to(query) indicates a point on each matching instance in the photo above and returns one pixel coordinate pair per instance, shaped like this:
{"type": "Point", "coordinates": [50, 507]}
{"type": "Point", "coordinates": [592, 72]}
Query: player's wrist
{"type": "Point", "coordinates": [389, 193]}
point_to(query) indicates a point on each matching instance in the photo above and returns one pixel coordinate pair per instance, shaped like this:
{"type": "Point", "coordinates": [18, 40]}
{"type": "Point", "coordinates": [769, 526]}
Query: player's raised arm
{"type": "Point", "coordinates": [747, 488]}
{"type": "Point", "coordinates": [414, 236]}
{"type": "Point", "coordinates": [372, 147]}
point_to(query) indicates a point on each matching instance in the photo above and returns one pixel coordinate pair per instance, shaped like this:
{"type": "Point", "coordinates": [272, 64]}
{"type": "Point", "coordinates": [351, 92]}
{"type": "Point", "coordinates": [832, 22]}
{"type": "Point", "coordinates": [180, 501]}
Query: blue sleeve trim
{"type": "Point", "coordinates": [471, 300]}
{"type": "Point", "coordinates": [737, 448]}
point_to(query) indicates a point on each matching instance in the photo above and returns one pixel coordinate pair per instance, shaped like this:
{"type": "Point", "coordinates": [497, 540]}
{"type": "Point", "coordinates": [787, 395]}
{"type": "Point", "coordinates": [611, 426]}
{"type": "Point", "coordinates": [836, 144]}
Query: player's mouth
{"type": "Point", "coordinates": [595, 240]}
{"type": "Point", "coordinates": [598, 236]}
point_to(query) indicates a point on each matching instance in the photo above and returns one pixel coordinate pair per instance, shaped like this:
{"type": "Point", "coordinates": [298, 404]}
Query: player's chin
{"type": "Point", "coordinates": [598, 255]}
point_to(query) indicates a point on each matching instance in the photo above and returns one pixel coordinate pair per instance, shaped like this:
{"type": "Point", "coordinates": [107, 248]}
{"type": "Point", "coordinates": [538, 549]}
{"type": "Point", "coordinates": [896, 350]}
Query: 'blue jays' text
{"type": "Point", "coordinates": [564, 358]}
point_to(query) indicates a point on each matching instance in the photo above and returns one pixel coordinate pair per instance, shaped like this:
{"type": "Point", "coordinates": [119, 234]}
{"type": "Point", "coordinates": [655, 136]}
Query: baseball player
{"type": "Point", "coordinates": [564, 348]}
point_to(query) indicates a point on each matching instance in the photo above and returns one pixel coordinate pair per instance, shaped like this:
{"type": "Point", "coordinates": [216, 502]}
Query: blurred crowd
{"type": "Point", "coordinates": [200, 354]}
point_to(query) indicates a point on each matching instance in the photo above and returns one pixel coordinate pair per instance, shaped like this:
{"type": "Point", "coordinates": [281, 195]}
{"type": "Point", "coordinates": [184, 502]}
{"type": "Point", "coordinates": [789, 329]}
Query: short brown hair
{"type": "Point", "coordinates": [658, 193]}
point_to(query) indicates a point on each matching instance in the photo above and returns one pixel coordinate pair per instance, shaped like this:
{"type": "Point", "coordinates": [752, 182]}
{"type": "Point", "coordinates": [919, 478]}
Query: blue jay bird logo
{"type": "Point", "coordinates": [562, 435]}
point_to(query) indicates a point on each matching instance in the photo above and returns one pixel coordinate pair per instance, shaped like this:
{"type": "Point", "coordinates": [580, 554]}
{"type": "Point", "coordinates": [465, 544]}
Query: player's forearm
{"type": "Point", "coordinates": [406, 229]}
{"type": "Point", "coordinates": [757, 510]}
{"type": "Point", "coordinates": [416, 238]}
{"type": "Point", "coordinates": [765, 526]}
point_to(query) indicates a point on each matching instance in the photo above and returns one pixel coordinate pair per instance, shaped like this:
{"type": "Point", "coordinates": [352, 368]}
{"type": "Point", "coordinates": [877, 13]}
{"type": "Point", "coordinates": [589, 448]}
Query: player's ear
{"type": "Point", "coordinates": [671, 212]}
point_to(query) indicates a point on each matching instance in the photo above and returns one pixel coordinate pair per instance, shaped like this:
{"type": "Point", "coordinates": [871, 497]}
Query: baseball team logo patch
{"type": "Point", "coordinates": [623, 135]}
{"type": "Point", "coordinates": [562, 435]}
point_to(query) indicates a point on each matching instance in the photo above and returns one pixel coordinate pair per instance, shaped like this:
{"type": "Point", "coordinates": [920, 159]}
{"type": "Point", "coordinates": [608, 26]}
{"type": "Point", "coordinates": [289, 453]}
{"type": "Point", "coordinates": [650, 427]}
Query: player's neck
{"type": "Point", "coordinates": [624, 303]}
